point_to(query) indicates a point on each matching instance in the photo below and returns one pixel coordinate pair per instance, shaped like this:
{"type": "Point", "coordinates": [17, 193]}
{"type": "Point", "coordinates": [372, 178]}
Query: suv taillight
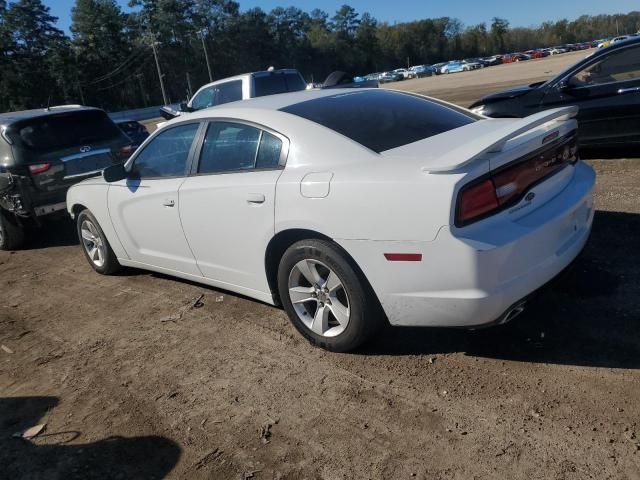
{"type": "Point", "coordinates": [39, 168]}
{"type": "Point", "coordinates": [507, 186]}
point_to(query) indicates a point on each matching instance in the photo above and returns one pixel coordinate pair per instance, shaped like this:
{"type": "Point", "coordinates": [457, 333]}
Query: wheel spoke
{"type": "Point", "coordinates": [309, 271]}
{"type": "Point", "coordinates": [320, 322]}
{"type": "Point", "coordinates": [301, 294]}
{"type": "Point", "coordinates": [333, 282]}
{"type": "Point", "coordinates": [87, 235]}
{"type": "Point", "coordinates": [93, 229]}
{"type": "Point", "coordinates": [100, 255]}
{"type": "Point", "coordinates": [93, 252]}
{"type": "Point", "coordinates": [340, 312]}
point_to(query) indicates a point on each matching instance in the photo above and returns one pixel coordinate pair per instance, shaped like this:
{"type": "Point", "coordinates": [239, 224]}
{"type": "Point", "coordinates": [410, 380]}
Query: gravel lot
{"type": "Point", "coordinates": [133, 382]}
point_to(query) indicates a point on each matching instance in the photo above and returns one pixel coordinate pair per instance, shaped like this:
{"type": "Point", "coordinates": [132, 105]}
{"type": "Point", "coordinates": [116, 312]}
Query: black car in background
{"type": "Point", "coordinates": [605, 86]}
{"type": "Point", "coordinates": [134, 130]}
{"type": "Point", "coordinates": [44, 152]}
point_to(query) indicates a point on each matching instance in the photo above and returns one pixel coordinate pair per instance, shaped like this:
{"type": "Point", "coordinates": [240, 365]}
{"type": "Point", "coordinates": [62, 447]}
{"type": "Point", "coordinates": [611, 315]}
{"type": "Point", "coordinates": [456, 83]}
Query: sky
{"type": "Point", "coordinates": [519, 13]}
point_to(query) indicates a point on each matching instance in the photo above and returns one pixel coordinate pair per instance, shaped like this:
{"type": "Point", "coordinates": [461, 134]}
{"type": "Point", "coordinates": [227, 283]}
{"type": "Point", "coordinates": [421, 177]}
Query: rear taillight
{"type": "Point", "coordinates": [476, 201]}
{"type": "Point", "coordinates": [507, 186]}
{"type": "Point", "coordinates": [39, 167]}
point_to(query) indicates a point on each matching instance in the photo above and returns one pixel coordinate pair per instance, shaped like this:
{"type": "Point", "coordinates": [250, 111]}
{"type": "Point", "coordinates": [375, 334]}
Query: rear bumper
{"type": "Point", "coordinates": [468, 282]}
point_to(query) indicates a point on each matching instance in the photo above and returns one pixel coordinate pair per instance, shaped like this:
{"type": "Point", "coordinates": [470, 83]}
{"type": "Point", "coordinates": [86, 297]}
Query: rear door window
{"type": "Point", "coordinates": [64, 130]}
{"type": "Point", "coordinates": [229, 147]}
{"type": "Point", "coordinates": [234, 147]}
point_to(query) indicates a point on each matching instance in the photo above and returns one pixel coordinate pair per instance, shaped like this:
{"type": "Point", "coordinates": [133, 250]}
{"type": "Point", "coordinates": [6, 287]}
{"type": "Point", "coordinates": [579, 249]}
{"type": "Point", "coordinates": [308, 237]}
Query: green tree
{"type": "Point", "coordinates": [499, 29]}
{"type": "Point", "coordinates": [103, 53]}
{"type": "Point", "coordinates": [31, 39]}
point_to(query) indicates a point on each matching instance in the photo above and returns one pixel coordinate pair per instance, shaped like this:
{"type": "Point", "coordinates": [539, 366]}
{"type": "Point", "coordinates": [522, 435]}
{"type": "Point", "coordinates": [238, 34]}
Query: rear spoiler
{"type": "Point", "coordinates": [495, 141]}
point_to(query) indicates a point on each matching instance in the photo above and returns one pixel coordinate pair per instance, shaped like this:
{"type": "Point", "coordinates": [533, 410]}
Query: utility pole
{"type": "Point", "coordinates": [206, 54]}
{"type": "Point", "coordinates": [189, 88]}
{"type": "Point", "coordinates": [155, 54]}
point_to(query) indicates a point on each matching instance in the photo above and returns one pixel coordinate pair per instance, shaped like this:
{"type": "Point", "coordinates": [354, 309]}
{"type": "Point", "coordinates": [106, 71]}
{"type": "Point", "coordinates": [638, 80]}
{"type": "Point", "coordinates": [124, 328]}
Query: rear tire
{"type": "Point", "coordinates": [335, 308]}
{"type": "Point", "coordinates": [95, 245]}
{"type": "Point", "coordinates": [11, 233]}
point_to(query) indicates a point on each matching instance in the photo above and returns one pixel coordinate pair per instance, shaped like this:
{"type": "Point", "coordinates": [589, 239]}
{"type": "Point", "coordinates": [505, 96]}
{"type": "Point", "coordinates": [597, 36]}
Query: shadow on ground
{"type": "Point", "coordinates": [588, 316]}
{"type": "Point", "coordinates": [51, 456]}
{"type": "Point", "coordinates": [55, 232]}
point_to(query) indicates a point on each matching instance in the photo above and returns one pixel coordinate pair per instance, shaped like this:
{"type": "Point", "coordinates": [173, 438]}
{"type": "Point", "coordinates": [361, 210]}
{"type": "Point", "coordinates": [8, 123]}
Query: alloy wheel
{"type": "Point", "coordinates": [92, 243]}
{"type": "Point", "coordinates": [319, 298]}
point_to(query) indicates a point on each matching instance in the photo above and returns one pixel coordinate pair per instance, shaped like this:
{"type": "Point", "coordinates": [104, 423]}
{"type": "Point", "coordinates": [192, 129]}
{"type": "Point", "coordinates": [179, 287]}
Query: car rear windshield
{"type": "Point", "coordinates": [63, 130]}
{"type": "Point", "coordinates": [380, 119]}
{"type": "Point", "coordinates": [278, 82]}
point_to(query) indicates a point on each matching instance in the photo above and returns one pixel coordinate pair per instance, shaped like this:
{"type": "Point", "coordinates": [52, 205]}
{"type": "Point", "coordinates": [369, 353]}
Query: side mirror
{"type": "Point", "coordinates": [5, 181]}
{"type": "Point", "coordinates": [185, 108]}
{"type": "Point", "coordinates": [114, 173]}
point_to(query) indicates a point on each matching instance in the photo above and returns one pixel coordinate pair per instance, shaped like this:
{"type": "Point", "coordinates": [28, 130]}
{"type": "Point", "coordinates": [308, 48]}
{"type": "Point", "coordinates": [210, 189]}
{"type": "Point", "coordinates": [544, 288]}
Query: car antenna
{"type": "Point", "coordinates": [48, 104]}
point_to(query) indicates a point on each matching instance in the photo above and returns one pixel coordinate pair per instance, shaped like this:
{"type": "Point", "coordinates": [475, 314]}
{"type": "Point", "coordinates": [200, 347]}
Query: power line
{"type": "Point", "coordinates": [128, 77]}
{"type": "Point", "coordinates": [135, 56]}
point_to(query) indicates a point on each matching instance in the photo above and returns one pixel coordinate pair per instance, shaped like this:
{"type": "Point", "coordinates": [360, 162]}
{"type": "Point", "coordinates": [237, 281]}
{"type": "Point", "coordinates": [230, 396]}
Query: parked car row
{"type": "Point", "coordinates": [455, 66]}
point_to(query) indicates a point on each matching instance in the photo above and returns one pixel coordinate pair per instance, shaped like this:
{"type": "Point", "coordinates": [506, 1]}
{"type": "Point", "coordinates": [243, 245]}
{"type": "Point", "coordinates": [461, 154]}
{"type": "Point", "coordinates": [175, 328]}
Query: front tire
{"type": "Point", "coordinates": [95, 245]}
{"type": "Point", "coordinates": [11, 233]}
{"type": "Point", "coordinates": [325, 297]}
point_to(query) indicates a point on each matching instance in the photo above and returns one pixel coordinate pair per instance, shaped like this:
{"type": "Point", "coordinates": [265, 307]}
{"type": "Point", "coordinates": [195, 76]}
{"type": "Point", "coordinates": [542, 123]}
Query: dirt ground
{"type": "Point", "coordinates": [132, 381]}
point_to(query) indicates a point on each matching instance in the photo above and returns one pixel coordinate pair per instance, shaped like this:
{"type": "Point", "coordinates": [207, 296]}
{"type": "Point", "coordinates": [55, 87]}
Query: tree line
{"type": "Point", "coordinates": [108, 58]}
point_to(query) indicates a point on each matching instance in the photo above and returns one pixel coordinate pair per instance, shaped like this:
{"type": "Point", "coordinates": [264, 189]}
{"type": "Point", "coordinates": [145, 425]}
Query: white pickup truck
{"type": "Point", "coordinates": [240, 87]}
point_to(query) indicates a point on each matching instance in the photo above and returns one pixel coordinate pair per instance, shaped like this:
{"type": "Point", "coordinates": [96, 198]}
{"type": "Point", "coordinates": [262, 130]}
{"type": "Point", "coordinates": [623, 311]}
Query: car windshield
{"type": "Point", "coordinates": [380, 119]}
{"type": "Point", "coordinates": [63, 130]}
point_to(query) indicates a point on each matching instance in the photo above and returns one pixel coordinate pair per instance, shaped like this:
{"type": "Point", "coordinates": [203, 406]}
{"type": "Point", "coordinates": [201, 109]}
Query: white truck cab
{"type": "Point", "coordinates": [240, 87]}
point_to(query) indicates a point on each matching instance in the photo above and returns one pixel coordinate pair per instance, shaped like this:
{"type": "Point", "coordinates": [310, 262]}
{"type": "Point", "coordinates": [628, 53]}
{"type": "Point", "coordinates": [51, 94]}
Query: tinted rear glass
{"type": "Point", "coordinates": [65, 130]}
{"type": "Point", "coordinates": [379, 119]}
{"type": "Point", "coordinates": [277, 82]}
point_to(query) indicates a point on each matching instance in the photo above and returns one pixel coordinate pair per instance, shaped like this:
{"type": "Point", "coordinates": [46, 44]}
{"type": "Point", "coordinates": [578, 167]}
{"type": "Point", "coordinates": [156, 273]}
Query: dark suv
{"type": "Point", "coordinates": [43, 153]}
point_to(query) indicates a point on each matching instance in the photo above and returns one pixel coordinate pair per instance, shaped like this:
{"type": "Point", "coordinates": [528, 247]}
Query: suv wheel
{"type": "Point", "coordinates": [325, 297]}
{"type": "Point", "coordinates": [11, 234]}
{"type": "Point", "coordinates": [95, 244]}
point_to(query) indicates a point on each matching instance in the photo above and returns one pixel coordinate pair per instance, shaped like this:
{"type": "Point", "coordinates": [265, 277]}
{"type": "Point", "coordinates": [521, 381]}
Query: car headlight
{"type": "Point", "coordinates": [479, 110]}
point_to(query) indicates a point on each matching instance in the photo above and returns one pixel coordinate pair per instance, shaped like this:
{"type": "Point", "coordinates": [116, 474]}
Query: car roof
{"type": "Point", "coordinates": [10, 118]}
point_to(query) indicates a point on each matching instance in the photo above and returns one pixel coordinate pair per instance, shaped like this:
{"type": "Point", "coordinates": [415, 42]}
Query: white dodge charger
{"type": "Point", "coordinates": [349, 208]}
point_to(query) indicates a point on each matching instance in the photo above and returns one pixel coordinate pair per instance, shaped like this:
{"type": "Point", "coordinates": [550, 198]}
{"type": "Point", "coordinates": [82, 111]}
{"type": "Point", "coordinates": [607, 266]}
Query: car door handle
{"type": "Point", "coordinates": [169, 203]}
{"type": "Point", "coordinates": [622, 91]}
{"type": "Point", "coordinates": [255, 198]}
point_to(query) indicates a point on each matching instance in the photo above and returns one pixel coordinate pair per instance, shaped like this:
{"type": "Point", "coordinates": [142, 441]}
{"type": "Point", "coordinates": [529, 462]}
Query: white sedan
{"type": "Point", "coordinates": [349, 209]}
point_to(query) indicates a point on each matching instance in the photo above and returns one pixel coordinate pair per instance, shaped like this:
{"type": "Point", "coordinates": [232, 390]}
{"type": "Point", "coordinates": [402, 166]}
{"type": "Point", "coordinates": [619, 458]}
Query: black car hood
{"type": "Point", "coordinates": [511, 93]}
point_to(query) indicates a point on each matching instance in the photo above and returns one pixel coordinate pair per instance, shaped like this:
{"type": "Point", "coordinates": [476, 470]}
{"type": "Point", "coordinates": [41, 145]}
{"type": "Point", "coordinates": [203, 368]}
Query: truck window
{"type": "Point", "coordinates": [217, 95]}
{"type": "Point", "coordinates": [273, 83]}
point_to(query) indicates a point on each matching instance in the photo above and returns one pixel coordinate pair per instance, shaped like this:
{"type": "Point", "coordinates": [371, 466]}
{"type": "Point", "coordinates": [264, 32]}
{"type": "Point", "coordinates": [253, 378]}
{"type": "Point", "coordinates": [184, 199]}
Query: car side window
{"type": "Point", "coordinates": [204, 99]}
{"type": "Point", "coordinates": [616, 67]}
{"type": "Point", "coordinates": [167, 154]}
{"type": "Point", "coordinates": [269, 151]}
{"type": "Point", "coordinates": [217, 95]}
{"type": "Point", "coordinates": [230, 147]}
